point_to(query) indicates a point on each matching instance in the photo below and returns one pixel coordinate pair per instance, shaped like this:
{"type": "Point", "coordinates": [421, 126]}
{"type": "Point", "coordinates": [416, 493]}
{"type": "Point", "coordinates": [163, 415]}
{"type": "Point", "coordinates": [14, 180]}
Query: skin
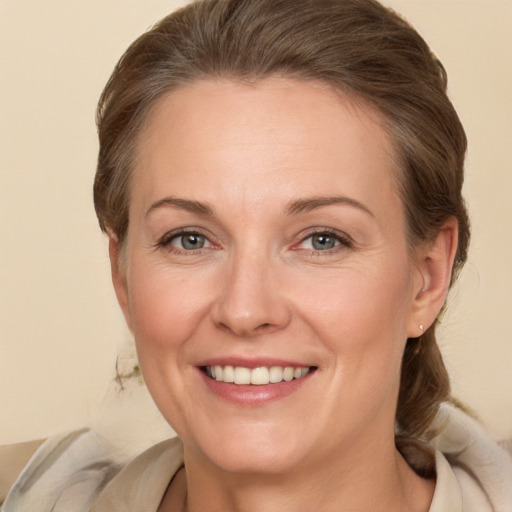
{"type": "Point", "coordinates": [259, 287]}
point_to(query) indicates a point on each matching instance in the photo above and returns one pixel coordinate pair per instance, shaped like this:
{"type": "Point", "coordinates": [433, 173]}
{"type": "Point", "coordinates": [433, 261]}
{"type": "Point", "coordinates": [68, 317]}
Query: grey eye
{"type": "Point", "coordinates": [190, 241]}
{"type": "Point", "coordinates": [323, 241]}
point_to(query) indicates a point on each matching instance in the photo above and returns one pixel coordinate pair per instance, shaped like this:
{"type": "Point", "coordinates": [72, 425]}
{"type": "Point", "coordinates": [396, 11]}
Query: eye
{"type": "Point", "coordinates": [324, 241]}
{"type": "Point", "coordinates": [184, 241]}
{"type": "Point", "coordinates": [189, 241]}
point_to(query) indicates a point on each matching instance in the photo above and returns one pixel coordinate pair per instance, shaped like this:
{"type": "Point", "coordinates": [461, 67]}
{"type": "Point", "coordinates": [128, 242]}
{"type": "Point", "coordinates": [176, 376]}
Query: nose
{"type": "Point", "coordinates": [251, 301]}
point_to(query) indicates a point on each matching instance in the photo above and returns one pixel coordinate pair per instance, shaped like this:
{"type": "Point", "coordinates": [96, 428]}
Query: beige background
{"type": "Point", "coordinates": [60, 327]}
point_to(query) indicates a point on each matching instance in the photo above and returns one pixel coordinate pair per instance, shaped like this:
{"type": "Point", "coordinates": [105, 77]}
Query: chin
{"type": "Point", "coordinates": [244, 450]}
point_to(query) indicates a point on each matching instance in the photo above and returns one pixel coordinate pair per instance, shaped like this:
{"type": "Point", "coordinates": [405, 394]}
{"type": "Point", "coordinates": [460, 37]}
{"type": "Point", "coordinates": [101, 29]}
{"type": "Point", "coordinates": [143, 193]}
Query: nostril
{"type": "Point", "coordinates": [264, 327]}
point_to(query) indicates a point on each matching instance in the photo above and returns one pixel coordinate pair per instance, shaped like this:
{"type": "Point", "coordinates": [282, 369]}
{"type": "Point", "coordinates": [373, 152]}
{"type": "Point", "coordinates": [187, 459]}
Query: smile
{"type": "Point", "coordinates": [260, 376]}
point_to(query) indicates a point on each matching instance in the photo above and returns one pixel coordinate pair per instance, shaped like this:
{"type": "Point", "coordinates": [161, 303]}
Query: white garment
{"type": "Point", "coordinates": [71, 473]}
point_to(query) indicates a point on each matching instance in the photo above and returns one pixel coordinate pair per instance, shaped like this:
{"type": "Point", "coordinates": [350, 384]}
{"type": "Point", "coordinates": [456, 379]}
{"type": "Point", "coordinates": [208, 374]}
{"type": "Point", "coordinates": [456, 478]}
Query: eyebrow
{"type": "Point", "coordinates": [196, 207]}
{"type": "Point", "coordinates": [310, 204]}
{"type": "Point", "coordinates": [294, 207]}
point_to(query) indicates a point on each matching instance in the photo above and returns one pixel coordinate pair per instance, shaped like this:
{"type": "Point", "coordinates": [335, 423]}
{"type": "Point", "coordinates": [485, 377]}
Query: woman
{"type": "Point", "coordinates": [280, 182]}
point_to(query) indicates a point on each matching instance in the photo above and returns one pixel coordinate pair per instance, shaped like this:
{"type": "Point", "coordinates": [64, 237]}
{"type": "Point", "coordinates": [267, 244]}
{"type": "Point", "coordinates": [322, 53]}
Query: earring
{"type": "Point", "coordinates": [418, 343]}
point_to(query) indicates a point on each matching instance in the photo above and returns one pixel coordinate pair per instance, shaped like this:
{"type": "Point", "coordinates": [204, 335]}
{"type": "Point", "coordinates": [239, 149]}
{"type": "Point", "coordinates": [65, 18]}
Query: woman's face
{"type": "Point", "coordinates": [267, 240]}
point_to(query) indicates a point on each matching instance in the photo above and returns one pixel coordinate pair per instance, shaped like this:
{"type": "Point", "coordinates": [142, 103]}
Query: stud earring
{"type": "Point", "coordinates": [418, 347]}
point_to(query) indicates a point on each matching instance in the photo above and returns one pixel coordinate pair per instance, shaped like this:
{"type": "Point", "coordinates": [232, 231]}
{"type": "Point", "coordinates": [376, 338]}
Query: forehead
{"type": "Point", "coordinates": [295, 137]}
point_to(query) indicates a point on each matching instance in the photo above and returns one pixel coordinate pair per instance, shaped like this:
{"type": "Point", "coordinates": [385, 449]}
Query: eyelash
{"type": "Point", "coordinates": [341, 239]}
{"type": "Point", "coordinates": [343, 242]}
{"type": "Point", "coordinates": [166, 241]}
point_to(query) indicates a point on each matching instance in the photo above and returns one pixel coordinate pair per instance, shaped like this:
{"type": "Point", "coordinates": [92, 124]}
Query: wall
{"type": "Point", "coordinates": [60, 327]}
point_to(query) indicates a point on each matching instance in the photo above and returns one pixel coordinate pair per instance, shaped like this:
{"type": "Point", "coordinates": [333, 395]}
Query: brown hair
{"type": "Point", "coordinates": [358, 47]}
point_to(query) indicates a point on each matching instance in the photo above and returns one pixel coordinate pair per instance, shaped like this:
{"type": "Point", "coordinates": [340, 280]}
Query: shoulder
{"type": "Point", "coordinates": [456, 490]}
{"type": "Point", "coordinates": [470, 463]}
{"type": "Point", "coordinates": [143, 482]}
{"type": "Point", "coordinates": [78, 470]}
{"type": "Point", "coordinates": [65, 473]}
{"type": "Point", "coordinates": [69, 471]}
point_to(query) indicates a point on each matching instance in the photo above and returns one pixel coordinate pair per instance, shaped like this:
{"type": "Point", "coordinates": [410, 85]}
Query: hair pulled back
{"type": "Point", "coordinates": [357, 47]}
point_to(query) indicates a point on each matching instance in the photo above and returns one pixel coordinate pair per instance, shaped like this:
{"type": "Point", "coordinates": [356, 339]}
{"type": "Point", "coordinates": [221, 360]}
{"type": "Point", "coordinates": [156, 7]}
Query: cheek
{"type": "Point", "coordinates": [357, 300]}
{"type": "Point", "coordinates": [165, 311]}
{"type": "Point", "coordinates": [361, 316]}
{"type": "Point", "coordinates": [165, 307]}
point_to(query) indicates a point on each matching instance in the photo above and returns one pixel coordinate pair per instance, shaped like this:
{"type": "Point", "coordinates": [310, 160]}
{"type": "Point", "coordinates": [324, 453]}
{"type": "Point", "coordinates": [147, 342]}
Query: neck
{"type": "Point", "coordinates": [377, 479]}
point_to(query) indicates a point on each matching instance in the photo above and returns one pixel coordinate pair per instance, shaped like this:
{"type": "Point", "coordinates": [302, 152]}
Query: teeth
{"type": "Point", "coordinates": [276, 374]}
{"type": "Point", "coordinates": [256, 376]}
{"type": "Point", "coordinates": [260, 376]}
{"type": "Point", "coordinates": [228, 375]}
{"type": "Point", "coordinates": [242, 375]}
{"type": "Point", "coordinates": [288, 374]}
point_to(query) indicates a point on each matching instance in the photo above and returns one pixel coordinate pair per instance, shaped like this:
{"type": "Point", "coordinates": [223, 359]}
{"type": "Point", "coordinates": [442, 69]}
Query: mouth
{"type": "Point", "coordinates": [260, 376]}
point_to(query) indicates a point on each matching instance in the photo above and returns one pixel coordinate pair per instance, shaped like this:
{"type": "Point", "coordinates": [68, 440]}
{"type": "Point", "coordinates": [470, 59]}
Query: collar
{"type": "Point", "coordinates": [141, 485]}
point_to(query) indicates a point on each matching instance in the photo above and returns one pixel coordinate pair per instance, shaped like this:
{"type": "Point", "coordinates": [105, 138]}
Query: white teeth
{"type": "Point", "coordinates": [228, 375]}
{"type": "Point", "coordinates": [288, 374]}
{"type": "Point", "coordinates": [256, 376]}
{"type": "Point", "coordinates": [276, 374]}
{"type": "Point", "coordinates": [242, 375]}
{"type": "Point", "coordinates": [260, 376]}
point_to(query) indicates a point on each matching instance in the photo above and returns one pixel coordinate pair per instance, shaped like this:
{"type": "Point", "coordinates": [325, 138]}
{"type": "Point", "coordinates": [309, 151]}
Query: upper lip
{"type": "Point", "coordinates": [256, 362]}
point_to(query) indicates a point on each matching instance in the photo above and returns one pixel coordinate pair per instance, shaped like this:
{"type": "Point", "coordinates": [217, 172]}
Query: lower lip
{"type": "Point", "coordinates": [253, 395]}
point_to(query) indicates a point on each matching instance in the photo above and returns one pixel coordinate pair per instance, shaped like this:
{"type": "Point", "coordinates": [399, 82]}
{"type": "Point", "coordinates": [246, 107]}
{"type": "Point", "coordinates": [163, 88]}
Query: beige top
{"type": "Point", "coordinates": [141, 485]}
{"type": "Point", "coordinates": [82, 471]}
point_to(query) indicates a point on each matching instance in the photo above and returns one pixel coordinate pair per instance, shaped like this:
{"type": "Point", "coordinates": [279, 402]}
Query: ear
{"type": "Point", "coordinates": [118, 273]}
{"type": "Point", "coordinates": [434, 263]}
